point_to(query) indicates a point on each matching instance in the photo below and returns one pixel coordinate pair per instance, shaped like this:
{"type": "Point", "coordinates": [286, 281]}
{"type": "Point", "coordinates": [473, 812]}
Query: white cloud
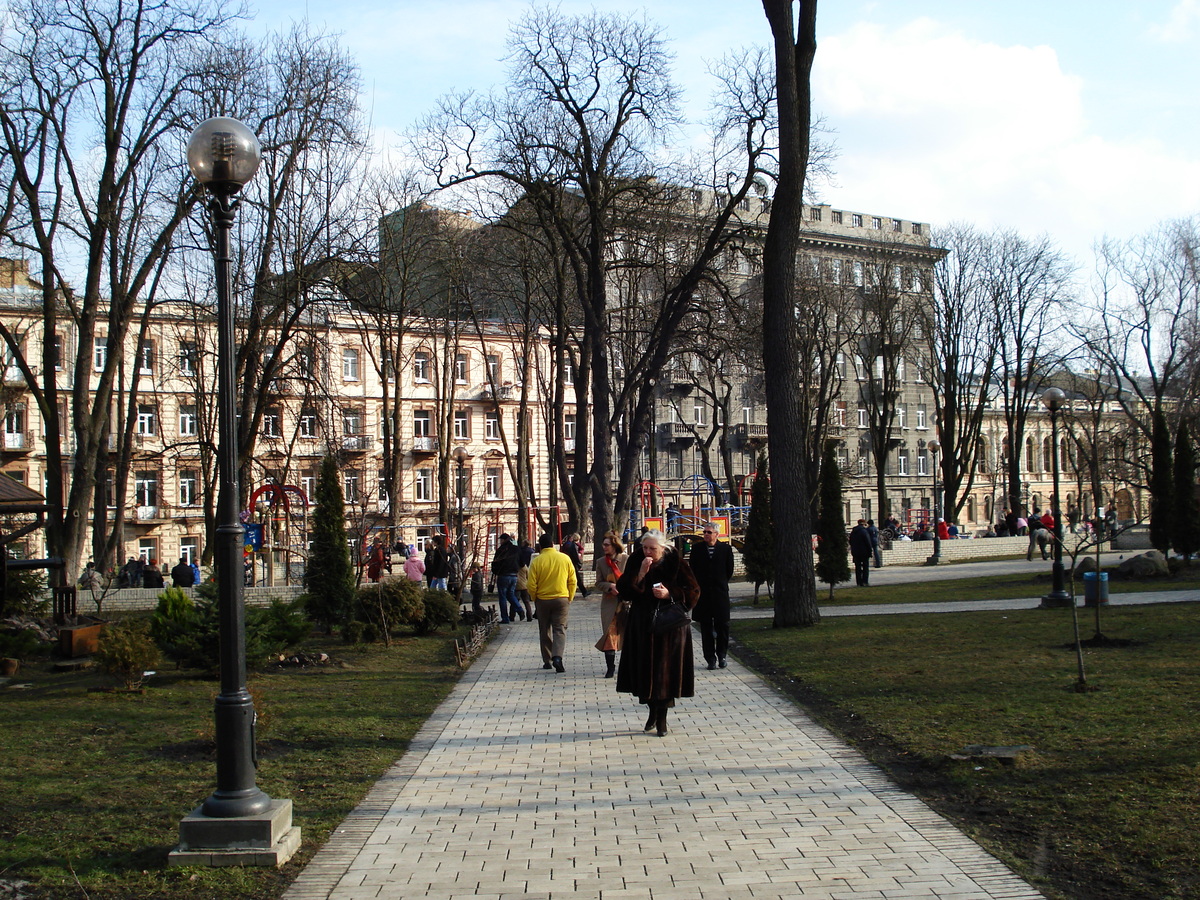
{"type": "Point", "coordinates": [938, 126]}
{"type": "Point", "coordinates": [1178, 27]}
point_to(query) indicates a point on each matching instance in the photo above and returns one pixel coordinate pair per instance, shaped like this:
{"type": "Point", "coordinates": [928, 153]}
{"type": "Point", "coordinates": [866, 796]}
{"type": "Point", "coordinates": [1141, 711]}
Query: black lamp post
{"type": "Point", "coordinates": [1053, 399]}
{"type": "Point", "coordinates": [934, 447]}
{"type": "Point", "coordinates": [461, 455]}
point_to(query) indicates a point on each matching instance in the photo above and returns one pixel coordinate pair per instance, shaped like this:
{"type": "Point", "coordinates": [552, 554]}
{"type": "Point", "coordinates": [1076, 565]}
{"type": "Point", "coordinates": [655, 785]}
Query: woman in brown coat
{"type": "Point", "coordinates": [656, 668]}
{"type": "Point", "coordinates": [608, 568]}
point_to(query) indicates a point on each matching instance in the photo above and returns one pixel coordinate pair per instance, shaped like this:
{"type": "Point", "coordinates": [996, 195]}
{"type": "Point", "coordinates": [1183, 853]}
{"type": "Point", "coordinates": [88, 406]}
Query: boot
{"type": "Point", "coordinates": [610, 659]}
{"type": "Point", "coordinates": [651, 719]}
{"type": "Point", "coordinates": [660, 720]}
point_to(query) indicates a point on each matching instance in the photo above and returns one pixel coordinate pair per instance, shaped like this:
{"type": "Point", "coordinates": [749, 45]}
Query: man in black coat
{"type": "Point", "coordinates": [712, 565]}
{"type": "Point", "coordinates": [861, 550]}
{"type": "Point", "coordinates": [182, 574]}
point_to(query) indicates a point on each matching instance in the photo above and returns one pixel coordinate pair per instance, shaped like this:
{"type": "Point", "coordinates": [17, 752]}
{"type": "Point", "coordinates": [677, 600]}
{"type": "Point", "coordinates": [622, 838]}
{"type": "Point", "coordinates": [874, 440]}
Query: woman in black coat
{"type": "Point", "coordinates": [656, 668]}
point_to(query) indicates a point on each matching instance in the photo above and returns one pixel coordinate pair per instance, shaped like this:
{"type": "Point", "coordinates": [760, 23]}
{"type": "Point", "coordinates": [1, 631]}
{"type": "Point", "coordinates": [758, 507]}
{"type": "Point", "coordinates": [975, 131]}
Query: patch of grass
{"type": "Point", "coordinates": [94, 784]}
{"type": "Point", "coordinates": [1105, 805]}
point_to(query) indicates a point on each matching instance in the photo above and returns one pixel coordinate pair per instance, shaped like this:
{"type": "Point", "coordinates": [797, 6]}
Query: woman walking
{"type": "Point", "coordinates": [608, 570]}
{"type": "Point", "coordinates": [656, 662]}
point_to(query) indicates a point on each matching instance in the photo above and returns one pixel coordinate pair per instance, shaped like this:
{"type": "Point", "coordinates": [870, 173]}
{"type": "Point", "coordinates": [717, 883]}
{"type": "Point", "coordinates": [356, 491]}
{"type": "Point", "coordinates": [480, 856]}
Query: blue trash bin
{"type": "Point", "coordinates": [1091, 595]}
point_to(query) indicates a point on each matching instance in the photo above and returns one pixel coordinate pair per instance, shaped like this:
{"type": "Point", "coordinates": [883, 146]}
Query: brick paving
{"type": "Point", "coordinates": [529, 784]}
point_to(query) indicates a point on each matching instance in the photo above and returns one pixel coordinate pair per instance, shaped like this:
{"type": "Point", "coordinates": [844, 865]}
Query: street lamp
{"type": "Point", "coordinates": [461, 456]}
{"type": "Point", "coordinates": [934, 447]}
{"type": "Point", "coordinates": [1053, 399]}
{"type": "Point", "coordinates": [239, 824]}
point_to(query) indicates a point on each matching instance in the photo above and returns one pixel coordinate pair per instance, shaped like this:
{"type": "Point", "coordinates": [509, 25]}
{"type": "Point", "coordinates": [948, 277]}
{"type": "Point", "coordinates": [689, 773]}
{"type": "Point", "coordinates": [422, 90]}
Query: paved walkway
{"type": "Point", "coordinates": [529, 784]}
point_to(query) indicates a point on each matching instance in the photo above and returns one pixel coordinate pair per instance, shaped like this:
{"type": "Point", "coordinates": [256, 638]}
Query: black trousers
{"type": "Point", "coordinates": [862, 570]}
{"type": "Point", "coordinates": [714, 638]}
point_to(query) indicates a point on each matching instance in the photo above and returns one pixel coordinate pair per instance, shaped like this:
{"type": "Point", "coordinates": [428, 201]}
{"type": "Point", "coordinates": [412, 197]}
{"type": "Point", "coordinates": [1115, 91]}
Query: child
{"type": "Point", "coordinates": [476, 589]}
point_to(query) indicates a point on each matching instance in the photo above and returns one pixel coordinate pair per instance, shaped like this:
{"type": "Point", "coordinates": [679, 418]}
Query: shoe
{"type": "Point", "coordinates": [721, 663]}
{"type": "Point", "coordinates": [660, 721]}
{"type": "Point", "coordinates": [651, 719]}
{"type": "Point", "coordinates": [711, 665]}
{"type": "Point", "coordinates": [610, 657]}
{"type": "Point", "coordinates": [558, 664]}
{"type": "Point", "coordinates": [546, 665]}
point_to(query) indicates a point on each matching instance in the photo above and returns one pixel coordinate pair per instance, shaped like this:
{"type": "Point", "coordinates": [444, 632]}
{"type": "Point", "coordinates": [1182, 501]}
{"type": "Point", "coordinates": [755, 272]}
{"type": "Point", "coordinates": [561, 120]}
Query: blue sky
{"type": "Point", "coordinates": [1071, 118]}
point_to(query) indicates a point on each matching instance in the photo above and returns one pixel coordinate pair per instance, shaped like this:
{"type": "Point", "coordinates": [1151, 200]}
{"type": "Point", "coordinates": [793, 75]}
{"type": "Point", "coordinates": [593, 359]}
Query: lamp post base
{"type": "Point", "coordinates": [266, 839]}
{"type": "Point", "coordinates": [1057, 600]}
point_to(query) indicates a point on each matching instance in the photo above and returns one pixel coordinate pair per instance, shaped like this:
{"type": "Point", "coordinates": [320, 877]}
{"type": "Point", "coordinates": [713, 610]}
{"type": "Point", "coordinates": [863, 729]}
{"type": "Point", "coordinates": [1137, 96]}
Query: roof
{"type": "Point", "coordinates": [15, 494]}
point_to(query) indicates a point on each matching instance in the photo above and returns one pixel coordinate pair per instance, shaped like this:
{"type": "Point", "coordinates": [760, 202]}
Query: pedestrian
{"type": "Point", "coordinates": [656, 660]}
{"type": "Point", "coordinates": [437, 563]}
{"type": "Point", "coordinates": [1035, 526]}
{"type": "Point", "coordinates": [574, 550]}
{"type": "Point", "coordinates": [414, 568]}
{"type": "Point", "coordinates": [876, 550]}
{"type": "Point", "coordinates": [524, 558]}
{"type": "Point", "coordinates": [943, 530]}
{"type": "Point", "coordinates": [504, 574]}
{"type": "Point", "coordinates": [378, 559]}
{"type": "Point", "coordinates": [673, 515]}
{"type": "Point", "coordinates": [182, 575]}
{"type": "Point", "coordinates": [860, 551]}
{"type": "Point", "coordinates": [152, 575]}
{"type": "Point", "coordinates": [608, 568]}
{"type": "Point", "coordinates": [712, 565]}
{"type": "Point", "coordinates": [89, 578]}
{"type": "Point", "coordinates": [195, 572]}
{"type": "Point", "coordinates": [552, 585]}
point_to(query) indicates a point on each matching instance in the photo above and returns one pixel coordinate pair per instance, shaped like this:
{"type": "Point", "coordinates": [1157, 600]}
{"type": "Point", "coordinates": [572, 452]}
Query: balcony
{"type": "Point", "coordinates": [501, 392]}
{"type": "Point", "coordinates": [17, 441]}
{"type": "Point", "coordinates": [746, 435]}
{"type": "Point", "coordinates": [569, 445]}
{"type": "Point", "coordinates": [357, 443]}
{"type": "Point", "coordinates": [13, 375]}
{"type": "Point", "coordinates": [425, 444]}
{"type": "Point", "coordinates": [676, 432]}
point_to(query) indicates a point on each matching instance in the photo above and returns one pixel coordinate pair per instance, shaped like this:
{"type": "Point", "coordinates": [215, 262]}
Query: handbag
{"type": "Point", "coordinates": [613, 634]}
{"type": "Point", "coordinates": [670, 616]}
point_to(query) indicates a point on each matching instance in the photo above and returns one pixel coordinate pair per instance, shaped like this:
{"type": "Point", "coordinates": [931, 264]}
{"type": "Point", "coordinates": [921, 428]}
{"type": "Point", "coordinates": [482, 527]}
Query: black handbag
{"type": "Point", "coordinates": [669, 616]}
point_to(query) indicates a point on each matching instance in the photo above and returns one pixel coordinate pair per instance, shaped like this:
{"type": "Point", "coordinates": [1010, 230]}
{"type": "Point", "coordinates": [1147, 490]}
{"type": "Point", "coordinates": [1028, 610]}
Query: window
{"type": "Point", "coordinates": [421, 366]}
{"type": "Point", "coordinates": [858, 274]}
{"type": "Point", "coordinates": [462, 425]}
{"type": "Point", "coordinates": [491, 425]}
{"type": "Point", "coordinates": [698, 412]}
{"type": "Point", "coordinates": [569, 431]}
{"type": "Point", "coordinates": [462, 485]}
{"type": "Point", "coordinates": [424, 484]}
{"type": "Point", "coordinates": [862, 417]}
{"type": "Point", "coordinates": [856, 220]}
{"type": "Point", "coordinates": [493, 368]}
{"type": "Point", "coordinates": [189, 549]}
{"type": "Point", "coordinates": [350, 485]}
{"type": "Point", "coordinates": [189, 487]}
{"type": "Point", "coordinates": [841, 364]}
{"type": "Point", "coordinates": [349, 364]}
{"type": "Point", "coordinates": [839, 414]}
{"type": "Point", "coordinates": [272, 423]}
{"type": "Point", "coordinates": [187, 357]}
{"type": "Point", "coordinates": [568, 370]}
{"type": "Point", "coordinates": [922, 421]}
{"type": "Point", "coordinates": [352, 421]}
{"type": "Point", "coordinates": [522, 366]}
{"type": "Point", "coordinates": [145, 489]}
{"type": "Point", "coordinates": [836, 217]}
{"type": "Point", "coordinates": [902, 415]}
{"type": "Point", "coordinates": [916, 227]}
{"type": "Point", "coordinates": [308, 484]}
{"type": "Point", "coordinates": [381, 482]}
{"type": "Point", "coordinates": [56, 351]}
{"type": "Point", "coordinates": [145, 419]}
{"type": "Point", "coordinates": [492, 484]}
{"type": "Point", "coordinates": [188, 425]}
{"type": "Point", "coordinates": [897, 225]}
{"type": "Point", "coordinates": [148, 549]}
{"type": "Point", "coordinates": [814, 214]}
{"type": "Point", "coordinates": [902, 462]}
{"type": "Point", "coordinates": [876, 222]}
{"type": "Point", "coordinates": [422, 423]}
{"type": "Point", "coordinates": [99, 353]}
{"type": "Point", "coordinates": [308, 423]}
{"type": "Point", "coordinates": [14, 428]}
{"type": "Point", "coordinates": [923, 462]}
{"type": "Point", "coordinates": [460, 368]}
{"type": "Point", "coordinates": [146, 359]}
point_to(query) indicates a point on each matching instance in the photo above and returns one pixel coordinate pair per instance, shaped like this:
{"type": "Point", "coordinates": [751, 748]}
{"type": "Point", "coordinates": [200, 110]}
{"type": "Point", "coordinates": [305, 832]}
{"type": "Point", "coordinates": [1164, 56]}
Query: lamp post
{"type": "Point", "coordinates": [934, 447]}
{"type": "Point", "coordinates": [223, 155]}
{"type": "Point", "coordinates": [461, 455]}
{"type": "Point", "coordinates": [1053, 399]}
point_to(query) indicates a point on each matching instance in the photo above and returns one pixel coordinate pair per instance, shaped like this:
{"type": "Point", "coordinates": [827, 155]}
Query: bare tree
{"type": "Point", "coordinates": [960, 331]}
{"type": "Point", "coordinates": [95, 112]}
{"type": "Point", "coordinates": [795, 48]}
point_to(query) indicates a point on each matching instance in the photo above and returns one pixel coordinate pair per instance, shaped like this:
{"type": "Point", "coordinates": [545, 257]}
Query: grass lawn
{"type": "Point", "coordinates": [1105, 805]}
{"type": "Point", "coordinates": [93, 784]}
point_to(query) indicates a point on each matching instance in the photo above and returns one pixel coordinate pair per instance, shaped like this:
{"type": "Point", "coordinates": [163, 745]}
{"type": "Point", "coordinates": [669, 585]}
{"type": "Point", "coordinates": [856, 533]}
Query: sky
{"type": "Point", "coordinates": [1077, 119]}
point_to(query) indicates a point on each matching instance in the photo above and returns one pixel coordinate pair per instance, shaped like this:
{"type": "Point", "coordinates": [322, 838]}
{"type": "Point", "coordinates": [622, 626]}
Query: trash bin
{"type": "Point", "coordinates": [1095, 591]}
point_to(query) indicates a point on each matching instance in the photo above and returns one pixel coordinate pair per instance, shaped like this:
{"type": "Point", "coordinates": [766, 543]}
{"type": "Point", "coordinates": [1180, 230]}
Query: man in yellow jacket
{"type": "Point", "coordinates": [552, 587]}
